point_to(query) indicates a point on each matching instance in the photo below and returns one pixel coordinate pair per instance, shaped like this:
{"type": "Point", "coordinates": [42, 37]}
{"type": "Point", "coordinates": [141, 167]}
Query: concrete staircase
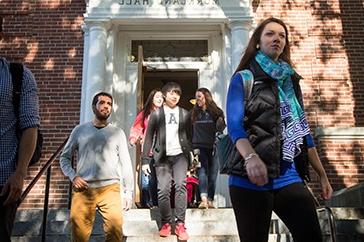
{"type": "Point", "coordinates": [211, 225]}
{"type": "Point", "coordinates": [202, 226]}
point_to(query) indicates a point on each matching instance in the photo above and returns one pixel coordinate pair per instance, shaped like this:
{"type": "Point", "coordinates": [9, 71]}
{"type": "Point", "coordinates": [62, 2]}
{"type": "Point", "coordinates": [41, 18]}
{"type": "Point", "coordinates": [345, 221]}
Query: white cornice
{"type": "Point", "coordinates": [224, 12]}
{"type": "Point", "coordinates": [340, 133]}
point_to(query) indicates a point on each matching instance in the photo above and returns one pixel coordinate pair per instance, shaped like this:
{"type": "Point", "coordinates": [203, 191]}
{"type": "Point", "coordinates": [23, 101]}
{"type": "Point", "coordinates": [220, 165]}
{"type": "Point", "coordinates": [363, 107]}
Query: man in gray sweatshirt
{"type": "Point", "coordinates": [103, 163]}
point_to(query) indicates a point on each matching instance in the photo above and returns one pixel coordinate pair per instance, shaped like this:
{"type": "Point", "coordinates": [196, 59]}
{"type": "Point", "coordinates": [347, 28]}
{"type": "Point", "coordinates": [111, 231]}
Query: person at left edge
{"type": "Point", "coordinates": [15, 153]}
{"type": "Point", "coordinates": [103, 163]}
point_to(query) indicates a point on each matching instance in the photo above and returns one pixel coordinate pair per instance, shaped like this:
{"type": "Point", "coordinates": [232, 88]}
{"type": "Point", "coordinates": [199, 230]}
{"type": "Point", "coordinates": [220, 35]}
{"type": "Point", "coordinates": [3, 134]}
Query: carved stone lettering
{"type": "Point", "coordinates": [134, 2]}
{"type": "Point", "coordinates": [170, 2]}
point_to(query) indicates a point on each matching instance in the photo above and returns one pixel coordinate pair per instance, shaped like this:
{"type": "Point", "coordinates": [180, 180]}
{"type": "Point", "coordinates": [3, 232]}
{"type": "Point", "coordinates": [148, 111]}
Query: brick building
{"type": "Point", "coordinates": [76, 48]}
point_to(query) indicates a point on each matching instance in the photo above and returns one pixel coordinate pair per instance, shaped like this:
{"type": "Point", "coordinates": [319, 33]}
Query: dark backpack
{"type": "Point", "coordinates": [16, 71]}
{"type": "Point", "coordinates": [227, 152]}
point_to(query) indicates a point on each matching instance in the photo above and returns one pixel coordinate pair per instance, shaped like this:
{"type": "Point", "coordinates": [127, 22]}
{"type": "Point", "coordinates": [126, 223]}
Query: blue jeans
{"type": "Point", "coordinates": [207, 174]}
{"type": "Point", "coordinates": [149, 187]}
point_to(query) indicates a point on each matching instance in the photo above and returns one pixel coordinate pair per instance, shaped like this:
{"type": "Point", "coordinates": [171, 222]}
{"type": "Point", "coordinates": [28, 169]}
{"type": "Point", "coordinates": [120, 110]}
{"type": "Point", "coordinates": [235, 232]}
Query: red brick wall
{"type": "Point", "coordinates": [327, 40]}
{"type": "Point", "coordinates": [327, 48]}
{"type": "Point", "coordinates": [47, 36]}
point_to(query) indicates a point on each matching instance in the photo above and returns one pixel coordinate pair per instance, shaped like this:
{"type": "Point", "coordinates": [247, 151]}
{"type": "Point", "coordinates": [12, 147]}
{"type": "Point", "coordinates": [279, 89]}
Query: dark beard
{"type": "Point", "coordinates": [101, 116]}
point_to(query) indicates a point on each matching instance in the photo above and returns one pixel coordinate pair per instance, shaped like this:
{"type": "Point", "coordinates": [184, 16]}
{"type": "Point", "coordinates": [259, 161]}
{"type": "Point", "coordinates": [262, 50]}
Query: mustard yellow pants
{"type": "Point", "coordinates": [83, 209]}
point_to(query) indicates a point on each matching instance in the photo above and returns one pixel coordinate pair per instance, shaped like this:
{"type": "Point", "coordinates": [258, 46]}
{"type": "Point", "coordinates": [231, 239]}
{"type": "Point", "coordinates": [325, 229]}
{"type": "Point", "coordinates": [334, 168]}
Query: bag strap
{"type": "Point", "coordinates": [16, 71]}
{"type": "Point", "coordinates": [248, 86]}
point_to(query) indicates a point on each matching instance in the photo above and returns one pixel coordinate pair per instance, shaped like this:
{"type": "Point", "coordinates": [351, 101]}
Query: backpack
{"type": "Point", "coordinates": [192, 191]}
{"type": "Point", "coordinates": [226, 150]}
{"type": "Point", "coordinates": [16, 71]}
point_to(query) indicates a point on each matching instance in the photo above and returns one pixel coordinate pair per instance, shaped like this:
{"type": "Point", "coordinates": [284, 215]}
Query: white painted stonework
{"type": "Point", "coordinates": [111, 25]}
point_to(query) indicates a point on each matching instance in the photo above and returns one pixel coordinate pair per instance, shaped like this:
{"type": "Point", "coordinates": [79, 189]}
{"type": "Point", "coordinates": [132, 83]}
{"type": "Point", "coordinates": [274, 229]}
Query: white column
{"type": "Point", "coordinates": [109, 75]}
{"type": "Point", "coordinates": [86, 43]}
{"type": "Point", "coordinates": [94, 75]}
{"type": "Point", "coordinates": [239, 39]}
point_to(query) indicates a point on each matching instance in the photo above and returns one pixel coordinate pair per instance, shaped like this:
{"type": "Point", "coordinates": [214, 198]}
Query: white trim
{"type": "Point", "coordinates": [340, 133]}
{"type": "Point", "coordinates": [226, 9]}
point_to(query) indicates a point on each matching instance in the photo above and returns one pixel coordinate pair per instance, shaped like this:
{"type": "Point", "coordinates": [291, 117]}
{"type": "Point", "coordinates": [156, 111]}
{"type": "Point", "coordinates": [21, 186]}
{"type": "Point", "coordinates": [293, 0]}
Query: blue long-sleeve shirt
{"type": "Point", "coordinates": [235, 109]}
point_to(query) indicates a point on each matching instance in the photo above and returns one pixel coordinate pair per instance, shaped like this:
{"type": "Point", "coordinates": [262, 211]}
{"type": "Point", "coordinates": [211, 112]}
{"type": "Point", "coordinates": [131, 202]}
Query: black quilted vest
{"type": "Point", "coordinates": [262, 123]}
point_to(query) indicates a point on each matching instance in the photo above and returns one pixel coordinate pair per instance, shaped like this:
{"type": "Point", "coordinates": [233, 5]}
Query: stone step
{"type": "Point", "coordinates": [348, 213]}
{"type": "Point", "coordinates": [154, 238]}
{"type": "Point", "coordinates": [133, 214]}
{"type": "Point", "coordinates": [202, 225]}
{"type": "Point", "coordinates": [206, 238]}
{"type": "Point", "coordinates": [53, 238]}
{"type": "Point", "coordinates": [173, 238]}
{"type": "Point", "coordinates": [213, 221]}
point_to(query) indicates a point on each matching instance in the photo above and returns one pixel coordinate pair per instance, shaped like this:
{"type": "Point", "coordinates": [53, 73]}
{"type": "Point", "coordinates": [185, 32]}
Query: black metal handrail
{"type": "Point", "coordinates": [330, 214]}
{"type": "Point", "coordinates": [332, 222]}
{"type": "Point", "coordinates": [46, 167]}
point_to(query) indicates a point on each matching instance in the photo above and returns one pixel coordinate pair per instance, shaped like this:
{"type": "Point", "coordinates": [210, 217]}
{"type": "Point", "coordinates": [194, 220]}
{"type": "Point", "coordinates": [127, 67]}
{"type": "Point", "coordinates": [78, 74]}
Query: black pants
{"type": "Point", "coordinates": [7, 217]}
{"type": "Point", "coordinates": [153, 190]}
{"type": "Point", "coordinates": [293, 204]}
{"type": "Point", "coordinates": [172, 172]}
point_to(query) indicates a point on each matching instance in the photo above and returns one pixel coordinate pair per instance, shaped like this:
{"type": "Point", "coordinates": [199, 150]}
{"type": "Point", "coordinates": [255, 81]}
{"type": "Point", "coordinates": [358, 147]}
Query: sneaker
{"type": "Point", "coordinates": [210, 204]}
{"type": "Point", "coordinates": [181, 231]}
{"type": "Point", "coordinates": [165, 230]}
{"type": "Point", "coordinates": [203, 205]}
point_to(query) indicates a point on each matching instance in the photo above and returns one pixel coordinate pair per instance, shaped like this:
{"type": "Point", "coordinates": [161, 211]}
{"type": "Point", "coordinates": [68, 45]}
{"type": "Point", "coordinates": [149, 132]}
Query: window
{"type": "Point", "coordinates": [170, 50]}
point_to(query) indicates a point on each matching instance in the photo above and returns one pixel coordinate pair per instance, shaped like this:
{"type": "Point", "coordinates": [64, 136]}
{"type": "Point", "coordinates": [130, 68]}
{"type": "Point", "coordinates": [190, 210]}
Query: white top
{"type": "Point", "coordinates": [173, 146]}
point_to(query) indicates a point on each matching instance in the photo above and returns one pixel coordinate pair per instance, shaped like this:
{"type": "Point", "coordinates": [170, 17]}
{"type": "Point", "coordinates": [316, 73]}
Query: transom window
{"type": "Point", "coordinates": [170, 50]}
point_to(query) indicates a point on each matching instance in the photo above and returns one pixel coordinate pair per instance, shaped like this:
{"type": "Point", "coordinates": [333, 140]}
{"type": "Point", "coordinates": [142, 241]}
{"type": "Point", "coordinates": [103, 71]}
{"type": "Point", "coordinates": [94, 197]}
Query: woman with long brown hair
{"type": "Point", "coordinates": [148, 182]}
{"type": "Point", "coordinates": [271, 132]}
{"type": "Point", "coordinates": [207, 120]}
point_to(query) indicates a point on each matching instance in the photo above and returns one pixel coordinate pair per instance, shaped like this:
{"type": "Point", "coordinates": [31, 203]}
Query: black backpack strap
{"type": "Point", "coordinates": [16, 71]}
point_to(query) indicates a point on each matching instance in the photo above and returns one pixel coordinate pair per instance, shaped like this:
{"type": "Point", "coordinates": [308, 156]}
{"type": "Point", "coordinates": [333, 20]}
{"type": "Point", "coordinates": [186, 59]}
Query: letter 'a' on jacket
{"type": "Point", "coordinates": [157, 130]}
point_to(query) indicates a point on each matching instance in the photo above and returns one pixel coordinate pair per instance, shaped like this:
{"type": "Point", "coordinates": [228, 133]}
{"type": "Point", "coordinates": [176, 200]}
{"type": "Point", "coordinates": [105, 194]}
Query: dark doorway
{"type": "Point", "coordinates": [188, 79]}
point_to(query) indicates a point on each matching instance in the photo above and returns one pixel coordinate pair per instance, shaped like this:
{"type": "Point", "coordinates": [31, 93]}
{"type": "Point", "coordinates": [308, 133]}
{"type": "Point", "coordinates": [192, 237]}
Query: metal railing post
{"type": "Point", "coordinates": [45, 206]}
{"type": "Point", "coordinates": [41, 172]}
{"type": "Point", "coordinates": [70, 185]}
{"type": "Point", "coordinates": [332, 223]}
{"type": "Point", "coordinates": [44, 168]}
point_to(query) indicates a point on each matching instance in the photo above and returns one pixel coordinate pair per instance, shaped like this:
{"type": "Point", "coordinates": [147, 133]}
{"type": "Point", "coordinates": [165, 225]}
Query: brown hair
{"type": "Point", "coordinates": [251, 49]}
{"type": "Point", "coordinates": [211, 106]}
{"type": "Point", "coordinates": [148, 106]}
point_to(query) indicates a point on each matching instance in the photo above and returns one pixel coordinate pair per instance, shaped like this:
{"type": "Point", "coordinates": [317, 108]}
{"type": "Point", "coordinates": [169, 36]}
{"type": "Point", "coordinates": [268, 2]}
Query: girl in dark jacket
{"type": "Point", "coordinates": [207, 120]}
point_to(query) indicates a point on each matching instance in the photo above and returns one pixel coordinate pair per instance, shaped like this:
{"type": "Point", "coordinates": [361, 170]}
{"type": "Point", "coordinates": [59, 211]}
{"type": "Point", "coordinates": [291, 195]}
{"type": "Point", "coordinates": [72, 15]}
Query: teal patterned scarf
{"type": "Point", "coordinates": [294, 126]}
